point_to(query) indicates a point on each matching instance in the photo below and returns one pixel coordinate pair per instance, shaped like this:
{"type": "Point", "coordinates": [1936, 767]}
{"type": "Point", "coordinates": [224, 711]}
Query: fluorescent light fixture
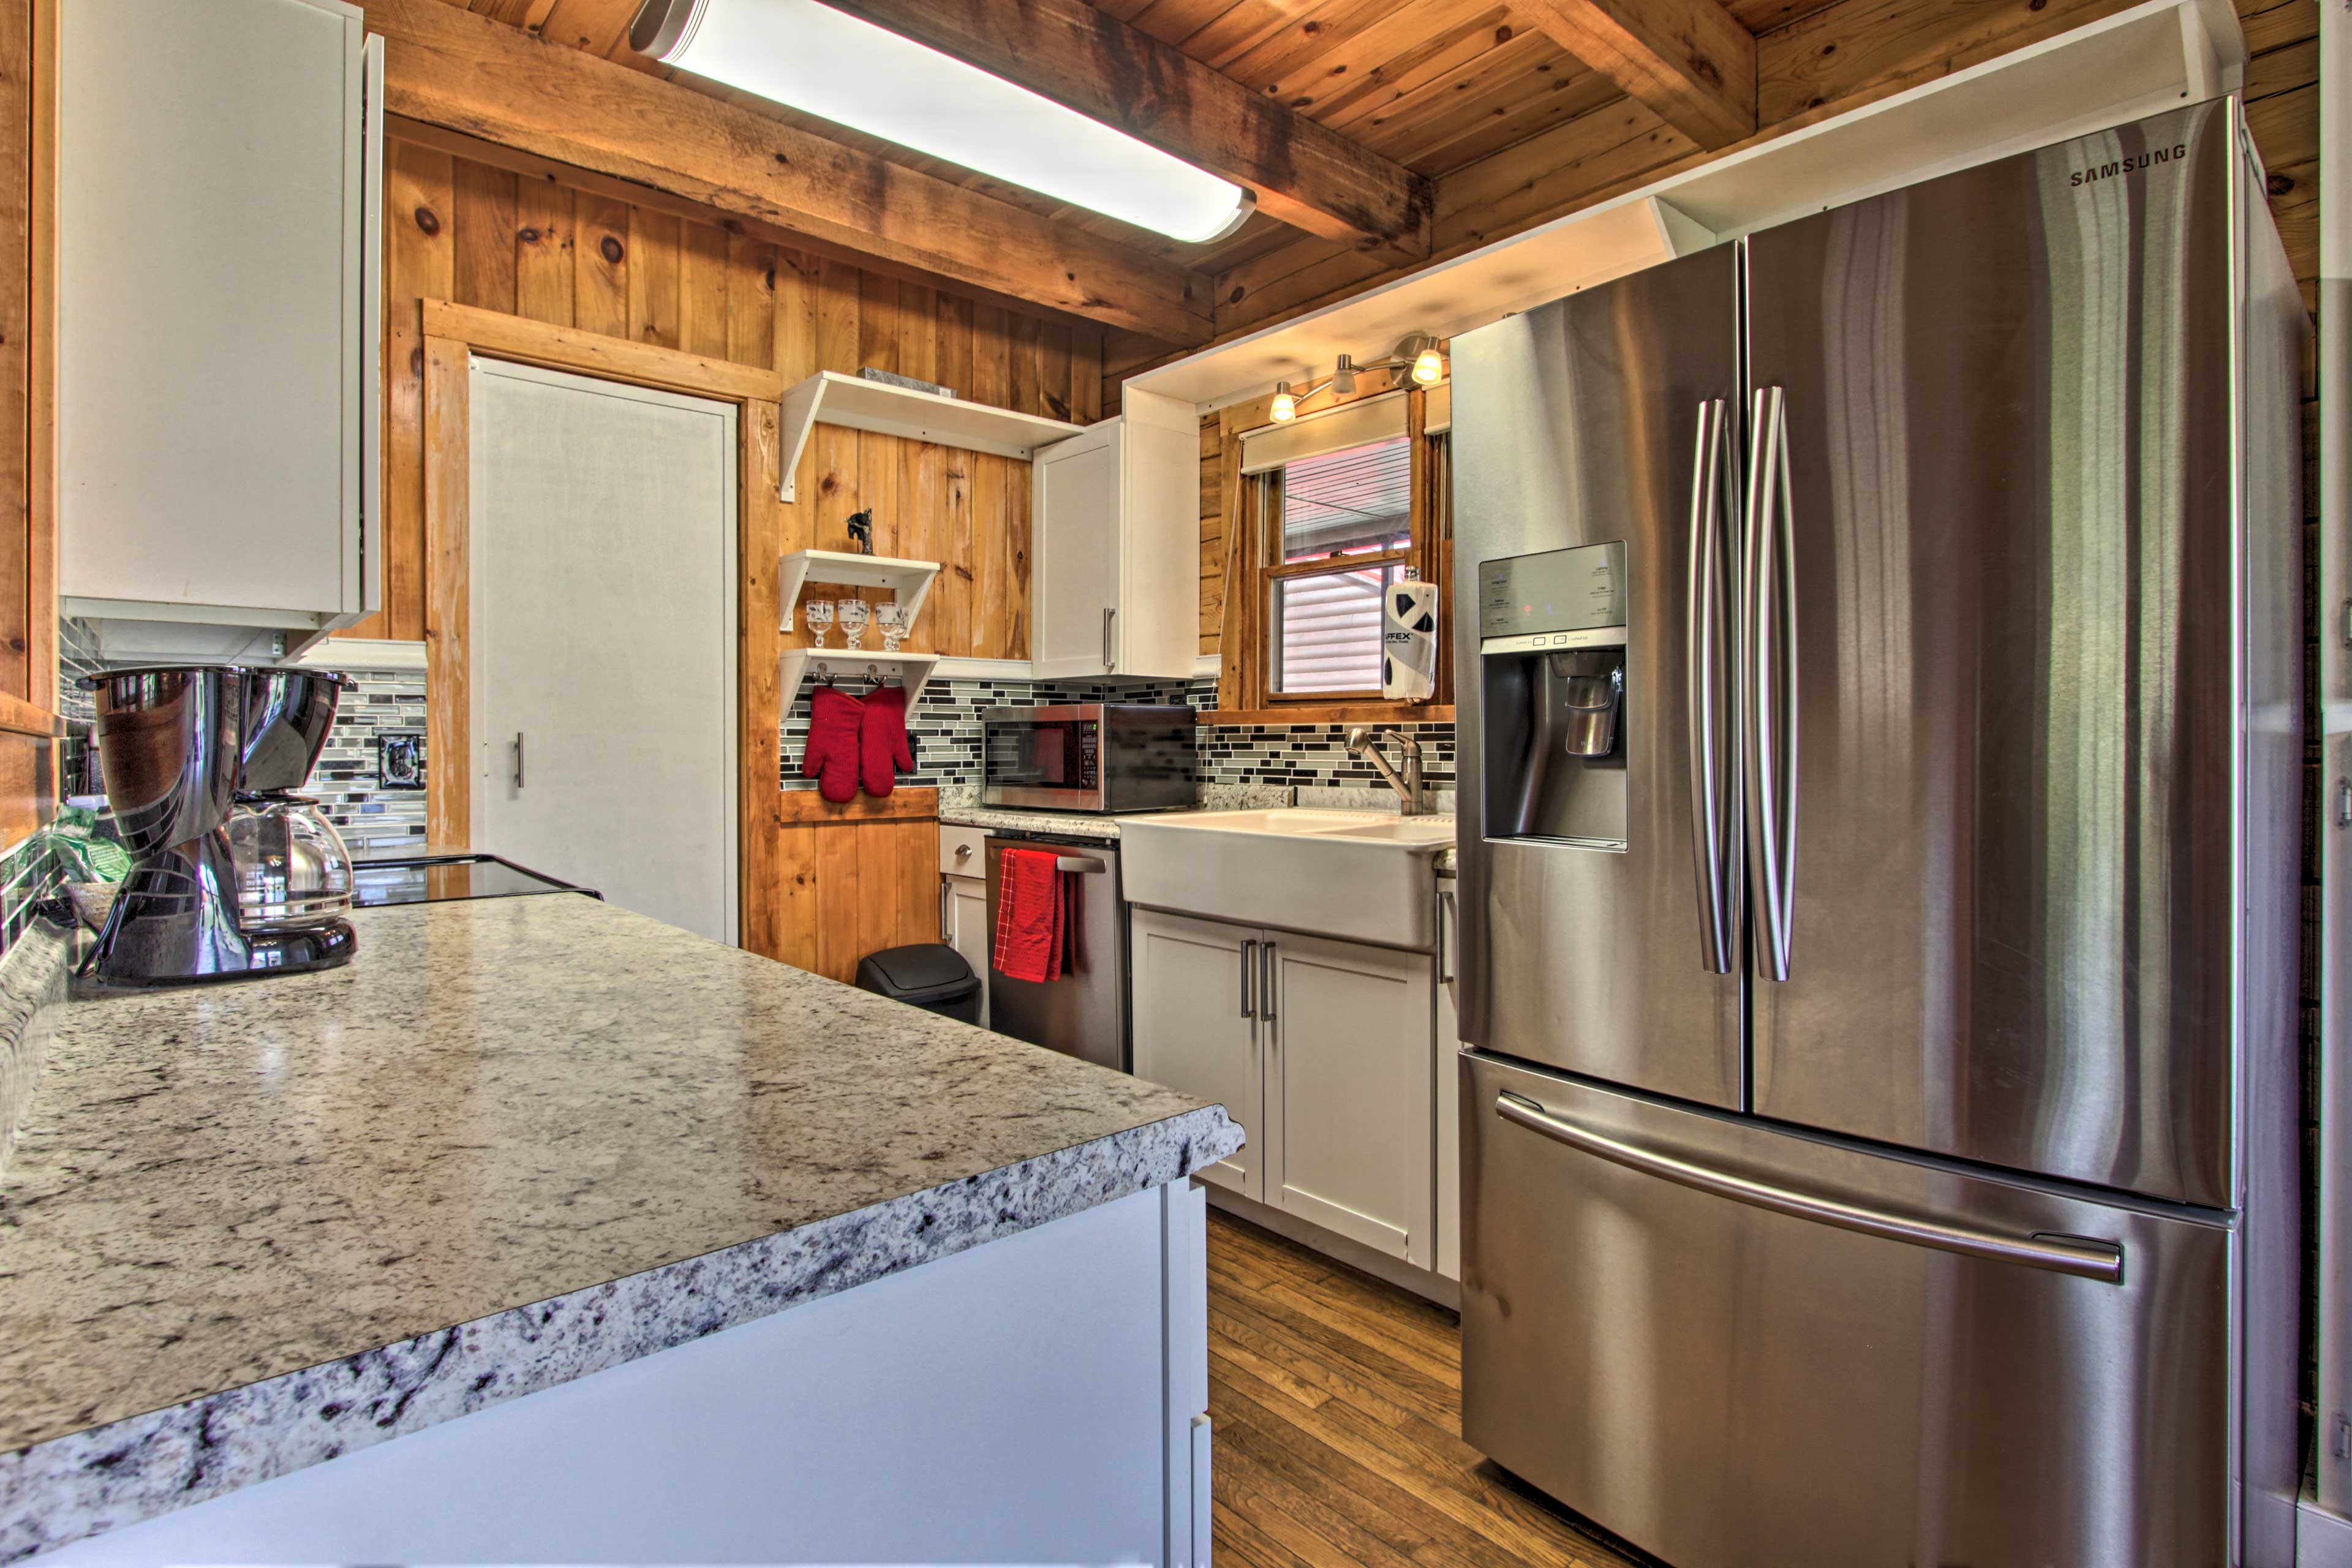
{"type": "Point", "coordinates": [840, 68]}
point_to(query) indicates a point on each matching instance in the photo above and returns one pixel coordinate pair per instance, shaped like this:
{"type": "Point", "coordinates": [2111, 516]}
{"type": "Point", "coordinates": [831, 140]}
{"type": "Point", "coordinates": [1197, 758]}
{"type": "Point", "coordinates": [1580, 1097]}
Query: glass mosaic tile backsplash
{"type": "Point", "coordinates": [945, 730]}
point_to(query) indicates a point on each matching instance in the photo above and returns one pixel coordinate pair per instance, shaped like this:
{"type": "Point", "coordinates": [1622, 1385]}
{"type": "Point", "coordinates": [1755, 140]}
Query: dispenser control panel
{"type": "Point", "coordinates": [1560, 598]}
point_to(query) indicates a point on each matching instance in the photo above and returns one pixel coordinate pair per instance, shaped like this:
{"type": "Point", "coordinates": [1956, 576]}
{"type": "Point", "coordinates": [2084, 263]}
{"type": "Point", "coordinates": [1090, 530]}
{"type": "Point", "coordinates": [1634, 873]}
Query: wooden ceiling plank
{"type": "Point", "coordinates": [1333, 24]}
{"type": "Point", "coordinates": [1381, 58]}
{"type": "Point", "coordinates": [449, 67]}
{"type": "Point", "coordinates": [1511, 119]}
{"type": "Point", "coordinates": [1689, 60]}
{"type": "Point", "coordinates": [1302, 173]}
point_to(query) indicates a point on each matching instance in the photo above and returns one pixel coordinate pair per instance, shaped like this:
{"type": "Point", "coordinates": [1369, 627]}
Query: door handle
{"type": "Point", "coordinates": [1078, 865]}
{"type": "Point", "coordinates": [1713, 792]}
{"type": "Point", "coordinates": [1109, 615]}
{"type": "Point", "coordinates": [1266, 985]}
{"type": "Point", "coordinates": [1769, 677]}
{"type": "Point", "coordinates": [945, 892]}
{"type": "Point", "coordinates": [1444, 918]}
{"type": "Point", "coordinates": [2082, 1257]}
{"type": "Point", "coordinates": [518, 759]}
{"type": "Point", "coordinates": [1249, 966]}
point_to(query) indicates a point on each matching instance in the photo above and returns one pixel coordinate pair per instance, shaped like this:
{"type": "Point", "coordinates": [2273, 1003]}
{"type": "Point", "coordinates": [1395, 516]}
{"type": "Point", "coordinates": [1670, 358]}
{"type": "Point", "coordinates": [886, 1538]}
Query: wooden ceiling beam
{"type": "Point", "coordinates": [1689, 61]}
{"type": "Point", "coordinates": [1301, 173]}
{"type": "Point", "coordinates": [471, 74]}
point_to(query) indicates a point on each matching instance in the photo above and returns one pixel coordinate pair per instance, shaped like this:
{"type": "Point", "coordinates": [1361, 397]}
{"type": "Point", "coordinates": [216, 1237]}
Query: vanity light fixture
{"type": "Point", "coordinates": [1417, 355]}
{"type": "Point", "coordinates": [809, 57]}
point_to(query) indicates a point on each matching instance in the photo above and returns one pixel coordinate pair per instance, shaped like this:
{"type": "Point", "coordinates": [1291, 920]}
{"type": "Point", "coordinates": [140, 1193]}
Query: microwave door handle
{"type": "Point", "coordinates": [1711, 760]}
{"type": "Point", "coordinates": [2084, 1256]}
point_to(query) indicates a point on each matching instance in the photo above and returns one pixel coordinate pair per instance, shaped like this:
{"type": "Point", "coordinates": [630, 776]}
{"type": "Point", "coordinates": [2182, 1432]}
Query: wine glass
{"type": "Point", "coordinates": [819, 613]}
{"type": "Point", "coordinates": [892, 620]}
{"type": "Point", "coordinates": [854, 614]}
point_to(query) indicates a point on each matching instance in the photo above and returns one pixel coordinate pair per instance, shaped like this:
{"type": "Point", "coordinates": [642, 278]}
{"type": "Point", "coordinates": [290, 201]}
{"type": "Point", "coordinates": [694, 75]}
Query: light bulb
{"type": "Point", "coordinates": [1285, 408]}
{"type": "Point", "coordinates": [1428, 367]}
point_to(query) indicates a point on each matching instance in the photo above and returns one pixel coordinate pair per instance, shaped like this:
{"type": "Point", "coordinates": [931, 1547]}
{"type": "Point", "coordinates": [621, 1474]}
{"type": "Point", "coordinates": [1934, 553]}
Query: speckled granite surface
{"type": "Point", "coordinates": [32, 997]}
{"type": "Point", "coordinates": [516, 1141]}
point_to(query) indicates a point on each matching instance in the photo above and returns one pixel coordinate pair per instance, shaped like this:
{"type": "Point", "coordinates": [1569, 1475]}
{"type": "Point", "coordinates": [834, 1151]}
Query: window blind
{"type": "Point", "coordinates": [1271, 447]}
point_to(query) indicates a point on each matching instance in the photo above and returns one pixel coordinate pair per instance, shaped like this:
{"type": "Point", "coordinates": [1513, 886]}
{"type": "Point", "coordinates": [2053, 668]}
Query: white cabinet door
{"type": "Point", "coordinates": [1075, 536]}
{"type": "Point", "coordinates": [1349, 1113]}
{"type": "Point", "coordinates": [1449, 1091]}
{"type": "Point", "coordinates": [1192, 1031]}
{"type": "Point", "coordinates": [218, 325]}
{"type": "Point", "coordinates": [965, 901]}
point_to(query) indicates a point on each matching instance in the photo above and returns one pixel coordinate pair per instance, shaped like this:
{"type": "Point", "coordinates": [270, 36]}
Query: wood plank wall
{"type": "Point", "coordinates": [28, 584]}
{"type": "Point", "coordinates": [1828, 59]}
{"type": "Point", "coordinates": [823, 885]}
{"type": "Point", "coordinates": [570, 252]}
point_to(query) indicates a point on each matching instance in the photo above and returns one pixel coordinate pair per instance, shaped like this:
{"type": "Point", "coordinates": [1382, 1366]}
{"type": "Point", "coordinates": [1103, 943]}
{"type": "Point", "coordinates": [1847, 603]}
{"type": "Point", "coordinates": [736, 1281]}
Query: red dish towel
{"type": "Point", "coordinates": [1030, 913]}
{"type": "Point", "coordinates": [882, 750]}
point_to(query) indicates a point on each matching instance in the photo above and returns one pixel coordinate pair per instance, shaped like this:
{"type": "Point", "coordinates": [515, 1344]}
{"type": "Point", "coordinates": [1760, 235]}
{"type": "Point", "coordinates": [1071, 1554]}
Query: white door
{"type": "Point", "coordinates": [1349, 1119]}
{"type": "Point", "coordinates": [1075, 579]}
{"type": "Point", "coordinates": [1194, 1028]}
{"type": "Point", "coordinates": [602, 625]}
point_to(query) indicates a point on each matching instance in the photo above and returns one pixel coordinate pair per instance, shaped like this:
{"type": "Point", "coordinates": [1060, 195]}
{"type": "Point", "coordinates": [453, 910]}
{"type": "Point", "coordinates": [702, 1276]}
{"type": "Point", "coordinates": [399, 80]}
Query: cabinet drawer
{"type": "Point", "coordinates": [963, 851]}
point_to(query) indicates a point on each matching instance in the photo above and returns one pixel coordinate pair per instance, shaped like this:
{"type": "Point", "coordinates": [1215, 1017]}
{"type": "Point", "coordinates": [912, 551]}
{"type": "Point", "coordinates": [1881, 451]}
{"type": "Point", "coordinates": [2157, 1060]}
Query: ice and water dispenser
{"type": "Point", "coordinates": [1551, 646]}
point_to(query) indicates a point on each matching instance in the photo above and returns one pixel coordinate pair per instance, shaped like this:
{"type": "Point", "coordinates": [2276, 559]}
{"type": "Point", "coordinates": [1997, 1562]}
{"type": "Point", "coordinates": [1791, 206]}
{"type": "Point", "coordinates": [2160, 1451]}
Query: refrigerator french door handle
{"type": "Point", "coordinates": [2082, 1257]}
{"type": "Point", "coordinates": [1711, 762]}
{"type": "Point", "coordinates": [1767, 622]}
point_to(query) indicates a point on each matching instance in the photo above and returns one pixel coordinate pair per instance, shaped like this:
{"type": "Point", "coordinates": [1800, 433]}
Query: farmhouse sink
{"type": "Point", "coordinates": [1356, 875]}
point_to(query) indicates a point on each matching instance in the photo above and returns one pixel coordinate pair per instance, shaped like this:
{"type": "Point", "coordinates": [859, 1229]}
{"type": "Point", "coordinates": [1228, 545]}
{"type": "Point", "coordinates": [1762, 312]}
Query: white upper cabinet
{"type": "Point", "coordinates": [219, 232]}
{"type": "Point", "coordinates": [1115, 530]}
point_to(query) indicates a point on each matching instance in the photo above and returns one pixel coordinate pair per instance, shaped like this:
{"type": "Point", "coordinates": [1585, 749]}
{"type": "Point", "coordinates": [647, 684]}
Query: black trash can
{"type": "Point", "coordinates": [927, 974]}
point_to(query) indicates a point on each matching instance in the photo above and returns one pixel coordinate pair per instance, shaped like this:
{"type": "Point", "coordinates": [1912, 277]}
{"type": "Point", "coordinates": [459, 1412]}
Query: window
{"type": "Point", "coordinates": [1331, 509]}
{"type": "Point", "coordinates": [1354, 506]}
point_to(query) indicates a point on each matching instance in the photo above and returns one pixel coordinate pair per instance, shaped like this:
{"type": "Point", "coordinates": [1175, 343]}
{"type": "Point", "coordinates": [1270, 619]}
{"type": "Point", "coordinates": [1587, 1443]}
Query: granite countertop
{"type": "Point", "coordinates": [251, 1227]}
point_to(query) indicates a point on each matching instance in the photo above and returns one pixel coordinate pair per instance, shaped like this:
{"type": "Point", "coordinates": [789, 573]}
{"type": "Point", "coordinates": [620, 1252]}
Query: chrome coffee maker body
{"type": "Point", "coordinates": [233, 874]}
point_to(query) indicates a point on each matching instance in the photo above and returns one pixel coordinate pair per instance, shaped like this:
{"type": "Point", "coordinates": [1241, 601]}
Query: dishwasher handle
{"type": "Point", "coordinates": [2082, 1257]}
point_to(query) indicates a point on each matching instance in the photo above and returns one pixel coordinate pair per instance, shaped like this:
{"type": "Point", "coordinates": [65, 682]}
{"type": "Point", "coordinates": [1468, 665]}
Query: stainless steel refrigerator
{"type": "Point", "coordinates": [1879, 648]}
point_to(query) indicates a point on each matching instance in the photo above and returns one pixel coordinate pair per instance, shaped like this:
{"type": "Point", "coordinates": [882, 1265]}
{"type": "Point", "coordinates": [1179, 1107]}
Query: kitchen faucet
{"type": "Point", "coordinates": [1363, 741]}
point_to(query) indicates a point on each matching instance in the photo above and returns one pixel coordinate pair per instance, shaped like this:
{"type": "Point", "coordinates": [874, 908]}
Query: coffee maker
{"type": "Point", "coordinates": [233, 874]}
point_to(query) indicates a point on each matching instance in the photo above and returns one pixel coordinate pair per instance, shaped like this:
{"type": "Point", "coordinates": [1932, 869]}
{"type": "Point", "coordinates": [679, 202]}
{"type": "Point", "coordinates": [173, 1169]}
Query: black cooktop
{"type": "Point", "coordinates": [431, 878]}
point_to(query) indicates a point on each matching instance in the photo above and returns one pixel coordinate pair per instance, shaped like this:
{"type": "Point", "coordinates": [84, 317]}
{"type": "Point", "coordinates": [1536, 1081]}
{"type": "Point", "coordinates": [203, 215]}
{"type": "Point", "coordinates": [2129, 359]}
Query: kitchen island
{"type": "Point", "coordinates": [528, 1185]}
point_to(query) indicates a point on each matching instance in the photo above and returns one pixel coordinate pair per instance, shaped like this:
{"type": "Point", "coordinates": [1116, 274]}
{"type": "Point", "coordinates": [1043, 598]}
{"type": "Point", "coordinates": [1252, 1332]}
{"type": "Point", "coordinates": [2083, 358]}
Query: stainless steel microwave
{"type": "Point", "coordinates": [1089, 757]}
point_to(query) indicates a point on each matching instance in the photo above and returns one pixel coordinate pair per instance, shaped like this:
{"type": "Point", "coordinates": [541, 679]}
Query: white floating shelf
{"type": "Point", "coordinates": [829, 397]}
{"type": "Point", "coordinates": [910, 580]}
{"type": "Point", "coordinates": [912, 670]}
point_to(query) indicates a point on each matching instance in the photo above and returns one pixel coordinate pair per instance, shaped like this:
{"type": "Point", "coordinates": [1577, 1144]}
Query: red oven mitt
{"type": "Point", "coordinates": [882, 752]}
{"type": "Point", "coordinates": [831, 755]}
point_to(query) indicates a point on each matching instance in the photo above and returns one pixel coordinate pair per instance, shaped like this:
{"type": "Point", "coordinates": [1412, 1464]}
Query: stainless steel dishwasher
{"type": "Point", "coordinates": [1083, 1014]}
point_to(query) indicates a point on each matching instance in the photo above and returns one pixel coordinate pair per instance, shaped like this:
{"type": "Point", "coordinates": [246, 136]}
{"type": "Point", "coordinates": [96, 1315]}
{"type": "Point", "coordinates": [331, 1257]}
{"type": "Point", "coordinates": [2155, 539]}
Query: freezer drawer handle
{"type": "Point", "coordinates": [2084, 1257]}
{"type": "Point", "coordinates": [1713, 788]}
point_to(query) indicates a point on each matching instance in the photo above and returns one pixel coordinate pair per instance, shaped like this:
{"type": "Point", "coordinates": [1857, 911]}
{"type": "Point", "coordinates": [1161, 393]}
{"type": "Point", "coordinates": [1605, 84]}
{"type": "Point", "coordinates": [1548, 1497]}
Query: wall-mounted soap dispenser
{"type": "Point", "coordinates": [1552, 637]}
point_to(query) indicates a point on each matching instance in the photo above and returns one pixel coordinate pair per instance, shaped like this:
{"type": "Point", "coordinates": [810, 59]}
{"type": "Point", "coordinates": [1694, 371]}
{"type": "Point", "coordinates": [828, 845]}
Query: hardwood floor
{"type": "Point", "coordinates": [1338, 1407]}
